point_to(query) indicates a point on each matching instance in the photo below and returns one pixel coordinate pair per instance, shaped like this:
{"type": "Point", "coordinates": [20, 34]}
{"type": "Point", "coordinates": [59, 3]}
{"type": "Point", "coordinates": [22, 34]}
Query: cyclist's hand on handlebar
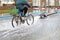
{"type": "Point", "coordinates": [31, 7]}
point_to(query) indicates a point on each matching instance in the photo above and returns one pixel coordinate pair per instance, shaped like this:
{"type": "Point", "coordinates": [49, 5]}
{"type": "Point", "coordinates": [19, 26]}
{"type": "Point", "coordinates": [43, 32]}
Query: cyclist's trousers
{"type": "Point", "coordinates": [25, 11]}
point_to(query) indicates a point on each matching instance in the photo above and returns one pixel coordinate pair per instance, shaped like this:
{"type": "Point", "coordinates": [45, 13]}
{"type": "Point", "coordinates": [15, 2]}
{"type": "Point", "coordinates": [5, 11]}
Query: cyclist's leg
{"type": "Point", "coordinates": [25, 10]}
{"type": "Point", "coordinates": [20, 11]}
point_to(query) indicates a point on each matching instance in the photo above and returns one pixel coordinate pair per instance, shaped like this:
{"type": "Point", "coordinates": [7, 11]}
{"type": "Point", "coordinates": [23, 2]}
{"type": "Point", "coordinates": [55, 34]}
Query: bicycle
{"type": "Point", "coordinates": [18, 19]}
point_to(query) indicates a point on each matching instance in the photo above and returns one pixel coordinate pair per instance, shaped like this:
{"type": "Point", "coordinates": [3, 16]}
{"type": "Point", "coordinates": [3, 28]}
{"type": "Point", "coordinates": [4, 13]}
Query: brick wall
{"type": "Point", "coordinates": [6, 7]}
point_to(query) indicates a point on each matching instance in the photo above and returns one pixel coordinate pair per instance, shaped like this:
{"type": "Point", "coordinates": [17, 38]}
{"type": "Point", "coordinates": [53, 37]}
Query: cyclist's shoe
{"type": "Point", "coordinates": [23, 21]}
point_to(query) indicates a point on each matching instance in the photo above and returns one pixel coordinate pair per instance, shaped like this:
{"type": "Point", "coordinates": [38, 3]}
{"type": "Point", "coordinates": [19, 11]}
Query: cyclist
{"type": "Point", "coordinates": [22, 5]}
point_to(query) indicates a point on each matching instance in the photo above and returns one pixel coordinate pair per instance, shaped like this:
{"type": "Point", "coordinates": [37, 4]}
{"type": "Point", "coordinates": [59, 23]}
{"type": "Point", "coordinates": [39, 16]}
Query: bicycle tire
{"type": "Point", "coordinates": [13, 20]}
{"type": "Point", "coordinates": [30, 17]}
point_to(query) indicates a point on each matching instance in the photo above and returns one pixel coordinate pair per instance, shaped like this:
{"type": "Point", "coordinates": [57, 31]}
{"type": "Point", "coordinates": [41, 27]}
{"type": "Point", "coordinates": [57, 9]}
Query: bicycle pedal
{"type": "Point", "coordinates": [23, 18]}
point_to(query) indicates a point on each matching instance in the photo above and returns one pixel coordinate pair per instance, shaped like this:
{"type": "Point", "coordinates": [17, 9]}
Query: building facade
{"type": "Point", "coordinates": [7, 4]}
{"type": "Point", "coordinates": [33, 2]}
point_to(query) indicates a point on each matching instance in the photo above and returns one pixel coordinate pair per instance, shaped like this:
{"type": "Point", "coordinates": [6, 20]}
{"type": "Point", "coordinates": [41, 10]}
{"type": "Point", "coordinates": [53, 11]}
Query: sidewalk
{"type": "Point", "coordinates": [9, 16]}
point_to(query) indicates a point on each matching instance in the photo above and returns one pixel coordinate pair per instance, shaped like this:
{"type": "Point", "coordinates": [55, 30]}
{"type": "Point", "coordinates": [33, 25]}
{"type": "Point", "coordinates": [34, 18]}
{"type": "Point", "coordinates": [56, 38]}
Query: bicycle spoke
{"type": "Point", "coordinates": [16, 22]}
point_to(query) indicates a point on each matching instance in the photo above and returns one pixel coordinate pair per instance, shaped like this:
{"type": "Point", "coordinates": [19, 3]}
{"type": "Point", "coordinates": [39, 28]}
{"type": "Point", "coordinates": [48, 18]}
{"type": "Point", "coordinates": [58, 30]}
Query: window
{"type": "Point", "coordinates": [0, 3]}
{"type": "Point", "coordinates": [5, 0]}
{"type": "Point", "coordinates": [59, 2]}
{"type": "Point", "coordinates": [51, 2]}
{"type": "Point", "coordinates": [36, 2]}
{"type": "Point", "coordinates": [46, 2]}
{"type": "Point", "coordinates": [12, 0]}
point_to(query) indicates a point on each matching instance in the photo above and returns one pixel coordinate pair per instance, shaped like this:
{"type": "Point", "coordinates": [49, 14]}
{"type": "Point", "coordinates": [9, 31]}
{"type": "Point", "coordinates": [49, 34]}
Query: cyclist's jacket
{"type": "Point", "coordinates": [20, 4]}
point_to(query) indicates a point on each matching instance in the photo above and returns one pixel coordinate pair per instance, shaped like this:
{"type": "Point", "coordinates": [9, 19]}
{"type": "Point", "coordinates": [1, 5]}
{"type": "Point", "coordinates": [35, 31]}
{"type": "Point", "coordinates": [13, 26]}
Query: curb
{"type": "Point", "coordinates": [5, 16]}
{"type": "Point", "coordinates": [9, 16]}
{"type": "Point", "coordinates": [51, 14]}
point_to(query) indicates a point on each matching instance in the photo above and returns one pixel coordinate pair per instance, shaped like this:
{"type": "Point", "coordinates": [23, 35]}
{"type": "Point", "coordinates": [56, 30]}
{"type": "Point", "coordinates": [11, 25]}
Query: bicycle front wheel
{"type": "Point", "coordinates": [30, 19]}
{"type": "Point", "coordinates": [16, 21]}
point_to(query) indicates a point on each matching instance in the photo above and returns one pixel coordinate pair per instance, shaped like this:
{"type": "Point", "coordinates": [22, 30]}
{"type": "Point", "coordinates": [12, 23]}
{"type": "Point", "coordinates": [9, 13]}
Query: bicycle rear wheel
{"type": "Point", "coordinates": [16, 21]}
{"type": "Point", "coordinates": [30, 19]}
